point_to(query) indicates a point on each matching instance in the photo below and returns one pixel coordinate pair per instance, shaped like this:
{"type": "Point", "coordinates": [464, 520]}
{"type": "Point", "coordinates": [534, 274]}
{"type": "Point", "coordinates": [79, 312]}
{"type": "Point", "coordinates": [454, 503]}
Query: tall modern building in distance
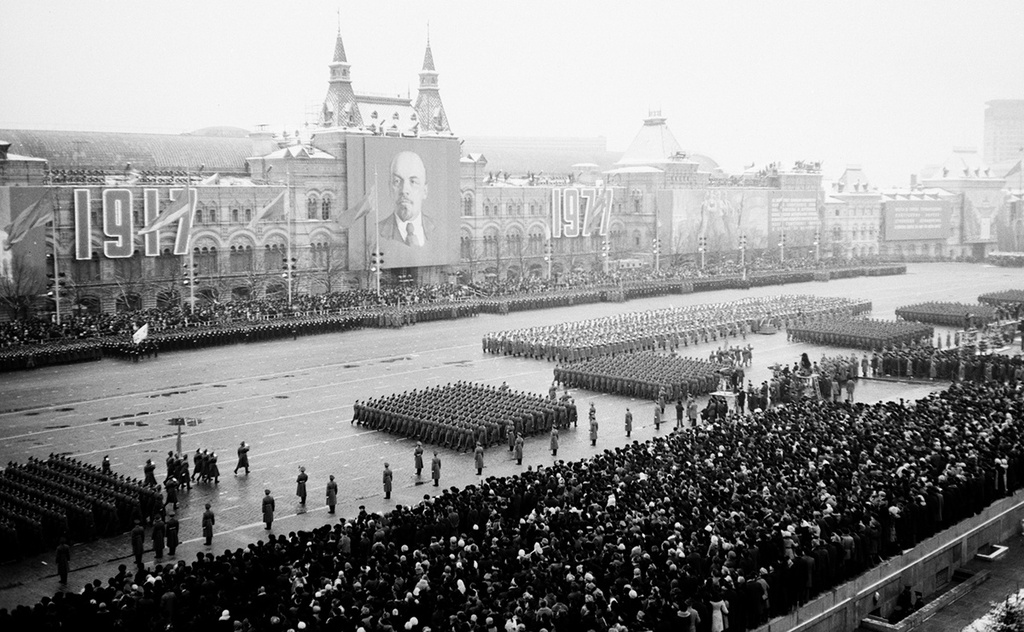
{"type": "Point", "coordinates": [1004, 130]}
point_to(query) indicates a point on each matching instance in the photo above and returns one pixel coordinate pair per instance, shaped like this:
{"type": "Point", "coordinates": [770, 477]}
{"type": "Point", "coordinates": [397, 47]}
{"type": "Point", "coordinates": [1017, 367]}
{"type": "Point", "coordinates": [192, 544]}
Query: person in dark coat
{"type": "Point", "coordinates": [593, 432]}
{"type": "Point", "coordinates": [138, 543]}
{"type": "Point", "coordinates": [171, 531]}
{"type": "Point", "coordinates": [171, 484]}
{"type": "Point", "coordinates": [208, 521]}
{"type": "Point", "coordinates": [418, 457]}
{"type": "Point", "coordinates": [150, 470]}
{"type": "Point", "coordinates": [387, 477]}
{"type": "Point", "coordinates": [243, 459]}
{"type": "Point", "coordinates": [63, 560]}
{"type": "Point", "coordinates": [159, 531]}
{"type": "Point", "coordinates": [518, 452]}
{"type": "Point", "coordinates": [478, 459]}
{"type": "Point", "coordinates": [300, 485]}
{"type": "Point", "coordinates": [332, 495]}
{"type": "Point", "coordinates": [554, 441]}
{"type": "Point", "coordinates": [106, 465]}
{"type": "Point", "coordinates": [435, 468]}
{"type": "Point", "coordinates": [213, 471]}
{"type": "Point", "coordinates": [629, 423]}
{"type": "Point", "coordinates": [268, 508]}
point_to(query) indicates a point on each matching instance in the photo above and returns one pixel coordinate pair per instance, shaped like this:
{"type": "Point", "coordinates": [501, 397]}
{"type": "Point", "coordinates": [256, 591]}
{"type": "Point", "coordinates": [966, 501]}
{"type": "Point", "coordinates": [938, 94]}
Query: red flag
{"type": "Point", "coordinates": [364, 205]}
{"type": "Point", "coordinates": [277, 204]}
{"type": "Point", "coordinates": [32, 216]}
{"type": "Point", "coordinates": [174, 212]}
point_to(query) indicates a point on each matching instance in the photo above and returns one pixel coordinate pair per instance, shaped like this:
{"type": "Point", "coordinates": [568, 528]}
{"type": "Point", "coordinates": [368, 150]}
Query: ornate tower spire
{"type": "Point", "coordinates": [340, 109]}
{"type": "Point", "coordinates": [429, 109]}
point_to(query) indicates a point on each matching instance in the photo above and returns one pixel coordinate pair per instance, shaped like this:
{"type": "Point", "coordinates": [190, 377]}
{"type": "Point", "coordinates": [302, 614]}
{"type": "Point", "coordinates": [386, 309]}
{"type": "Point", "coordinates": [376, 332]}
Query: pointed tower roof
{"type": "Point", "coordinates": [428, 58]}
{"type": "Point", "coordinates": [429, 108]}
{"type": "Point", "coordinates": [340, 108]}
{"type": "Point", "coordinates": [339, 49]}
{"type": "Point", "coordinates": [653, 144]}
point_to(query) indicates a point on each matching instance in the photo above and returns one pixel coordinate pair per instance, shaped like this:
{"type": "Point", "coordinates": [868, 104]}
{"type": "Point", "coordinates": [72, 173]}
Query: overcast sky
{"type": "Point", "coordinates": [888, 85]}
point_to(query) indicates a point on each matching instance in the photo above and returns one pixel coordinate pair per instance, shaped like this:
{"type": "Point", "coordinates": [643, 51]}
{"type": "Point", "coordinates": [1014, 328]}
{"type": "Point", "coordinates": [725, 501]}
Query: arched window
{"type": "Point", "coordinates": [466, 247]}
{"type": "Point", "coordinates": [837, 233]}
{"type": "Point", "coordinates": [467, 205]}
{"type": "Point", "coordinates": [311, 207]}
{"type": "Point", "coordinates": [325, 208]}
{"type": "Point", "coordinates": [199, 215]}
{"type": "Point", "coordinates": [248, 215]}
{"type": "Point", "coordinates": [240, 258]}
{"type": "Point", "coordinates": [234, 216]}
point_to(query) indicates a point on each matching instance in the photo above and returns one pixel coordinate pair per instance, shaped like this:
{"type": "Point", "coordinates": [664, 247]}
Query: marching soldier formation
{"type": "Point", "coordinates": [461, 415]}
{"type": "Point", "coordinates": [665, 329]}
{"type": "Point", "coordinates": [644, 375]}
{"type": "Point", "coordinates": [860, 333]}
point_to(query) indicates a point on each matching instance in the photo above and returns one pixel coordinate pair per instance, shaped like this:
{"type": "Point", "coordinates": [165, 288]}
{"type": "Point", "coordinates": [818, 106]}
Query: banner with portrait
{"type": "Point", "coordinates": [403, 193]}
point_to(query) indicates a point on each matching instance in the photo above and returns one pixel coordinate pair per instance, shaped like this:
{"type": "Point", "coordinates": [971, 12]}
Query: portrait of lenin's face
{"type": "Point", "coordinates": [408, 185]}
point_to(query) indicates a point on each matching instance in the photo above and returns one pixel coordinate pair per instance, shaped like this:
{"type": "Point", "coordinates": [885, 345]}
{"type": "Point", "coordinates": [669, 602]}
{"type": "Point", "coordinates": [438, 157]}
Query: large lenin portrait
{"type": "Point", "coordinates": [414, 184]}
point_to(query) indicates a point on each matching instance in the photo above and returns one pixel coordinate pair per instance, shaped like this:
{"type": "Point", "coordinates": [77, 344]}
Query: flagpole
{"type": "Point", "coordinates": [376, 232]}
{"type": "Point", "coordinates": [56, 270]}
{"type": "Point", "coordinates": [191, 251]}
{"type": "Point", "coordinates": [288, 242]}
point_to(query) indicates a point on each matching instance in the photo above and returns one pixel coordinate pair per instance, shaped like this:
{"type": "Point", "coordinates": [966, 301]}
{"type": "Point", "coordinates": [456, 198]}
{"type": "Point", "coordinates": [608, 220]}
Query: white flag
{"type": "Point", "coordinates": [140, 334]}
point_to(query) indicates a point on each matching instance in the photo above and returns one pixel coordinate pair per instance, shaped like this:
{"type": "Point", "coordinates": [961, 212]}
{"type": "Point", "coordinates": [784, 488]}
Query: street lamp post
{"type": "Point", "coordinates": [190, 268]}
{"type": "Point", "coordinates": [743, 251]}
{"type": "Point", "coordinates": [782, 247]}
{"type": "Point", "coordinates": [656, 249]}
{"type": "Point", "coordinates": [290, 265]}
{"type": "Point", "coordinates": [376, 263]}
{"type": "Point", "coordinates": [702, 248]}
{"type": "Point", "coordinates": [606, 247]}
{"type": "Point", "coordinates": [548, 256]}
{"type": "Point", "coordinates": [817, 245]}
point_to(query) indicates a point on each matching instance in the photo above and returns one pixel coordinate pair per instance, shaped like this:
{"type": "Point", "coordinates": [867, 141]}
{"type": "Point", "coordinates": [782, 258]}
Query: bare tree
{"type": "Point", "coordinates": [330, 266]}
{"type": "Point", "coordinates": [130, 280]}
{"type": "Point", "coordinates": [20, 285]}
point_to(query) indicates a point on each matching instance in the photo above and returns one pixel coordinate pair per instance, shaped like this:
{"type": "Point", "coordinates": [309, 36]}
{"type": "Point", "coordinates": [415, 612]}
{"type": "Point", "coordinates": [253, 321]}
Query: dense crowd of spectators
{"type": "Point", "coordinates": [758, 513]}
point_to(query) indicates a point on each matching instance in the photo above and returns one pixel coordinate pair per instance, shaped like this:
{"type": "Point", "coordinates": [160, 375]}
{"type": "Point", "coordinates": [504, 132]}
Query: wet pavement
{"type": "Point", "coordinates": [291, 401]}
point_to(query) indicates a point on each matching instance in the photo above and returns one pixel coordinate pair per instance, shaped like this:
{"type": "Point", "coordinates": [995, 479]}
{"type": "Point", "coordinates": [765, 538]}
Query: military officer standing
{"type": "Point", "coordinates": [387, 478]}
{"type": "Point", "coordinates": [629, 423]}
{"type": "Point", "coordinates": [435, 468]}
{"type": "Point", "coordinates": [332, 495]}
{"type": "Point", "coordinates": [268, 508]}
{"type": "Point", "coordinates": [300, 485]}
{"type": "Point", "coordinates": [417, 458]}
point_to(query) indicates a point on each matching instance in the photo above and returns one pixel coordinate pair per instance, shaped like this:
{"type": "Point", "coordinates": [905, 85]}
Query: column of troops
{"type": "Point", "coordinates": [644, 375]}
{"type": "Point", "coordinates": [860, 333]}
{"type": "Point", "coordinates": [949, 314]}
{"type": "Point", "coordinates": [665, 329]}
{"type": "Point", "coordinates": [43, 501]}
{"type": "Point", "coordinates": [547, 300]}
{"type": "Point", "coordinates": [461, 415]}
{"type": "Point", "coordinates": [925, 362]}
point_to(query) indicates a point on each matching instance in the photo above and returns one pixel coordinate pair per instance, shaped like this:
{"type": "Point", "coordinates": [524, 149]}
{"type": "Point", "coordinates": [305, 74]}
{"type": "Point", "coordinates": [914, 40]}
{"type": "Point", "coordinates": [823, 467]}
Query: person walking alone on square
{"type": "Point", "coordinates": [418, 458]}
{"type": "Point", "coordinates": [138, 543]}
{"type": "Point", "coordinates": [518, 452]}
{"type": "Point", "coordinates": [158, 535]}
{"type": "Point", "coordinates": [208, 520]}
{"type": "Point", "coordinates": [629, 423]}
{"type": "Point", "coordinates": [332, 495]}
{"type": "Point", "coordinates": [63, 560]}
{"type": "Point", "coordinates": [478, 458]}
{"type": "Point", "coordinates": [300, 485]}
{"type": "Point", "coordinates": [387, 477]}
{"type": "Point", "coordinates": [554, 441]}
{"type": "Point", "coordinates": [593, 432]}
{"type": "Point", "coordinates": [268, 509]}
{"type": "Point", "coordinates": [435, 468]}
{"type": "Point", "coordinates": [243, 459]}
{"type": "Point", "coordinates": [171, 533]}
